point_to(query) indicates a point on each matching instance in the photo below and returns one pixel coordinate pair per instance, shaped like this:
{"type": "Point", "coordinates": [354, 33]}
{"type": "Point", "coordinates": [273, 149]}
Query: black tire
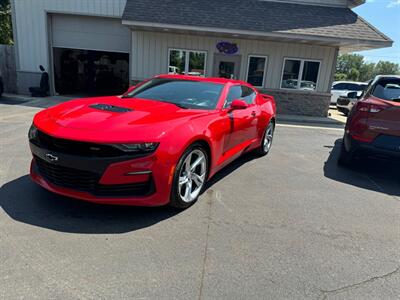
{"type": "Point", "coordinates": [346, 158]}
{"type": "Point", "coordinates": [176, 199]}
{"type": "Point", "coordinates": [263, 150]}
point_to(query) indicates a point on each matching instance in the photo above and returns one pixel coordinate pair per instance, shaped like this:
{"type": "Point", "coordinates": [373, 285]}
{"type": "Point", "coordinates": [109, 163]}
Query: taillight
{"type": "Point", "coordinates": [369, 107]}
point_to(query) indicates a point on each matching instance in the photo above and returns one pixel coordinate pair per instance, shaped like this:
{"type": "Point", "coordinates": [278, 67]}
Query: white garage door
{"type": "Point", "coordinates": [90, 33]}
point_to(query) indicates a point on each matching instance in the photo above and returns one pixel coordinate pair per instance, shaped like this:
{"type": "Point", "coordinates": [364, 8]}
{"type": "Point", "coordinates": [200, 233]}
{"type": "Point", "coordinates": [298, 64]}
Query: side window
{"type": "Point", "coordinates": [234, 93]}
{"type": "Point", "coordinates": [248, 95]}
{"type": "Point", "coordinates": [240, 92]}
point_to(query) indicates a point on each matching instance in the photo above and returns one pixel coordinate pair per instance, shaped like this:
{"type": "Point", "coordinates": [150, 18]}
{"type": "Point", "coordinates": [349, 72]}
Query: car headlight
{"type": "Point", "coordinates": [33, 132]}
{"type": "Point", "coordinates": [140, 147]}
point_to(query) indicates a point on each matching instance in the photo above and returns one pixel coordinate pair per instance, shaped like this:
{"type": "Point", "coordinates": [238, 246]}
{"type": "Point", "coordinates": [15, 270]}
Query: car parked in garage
{"type": "Point", "coordinates": [373, 126]}
{"type": "Point", "coordinates": [157, 144]}
{"type": "Point", "coordinates": [342, 88]}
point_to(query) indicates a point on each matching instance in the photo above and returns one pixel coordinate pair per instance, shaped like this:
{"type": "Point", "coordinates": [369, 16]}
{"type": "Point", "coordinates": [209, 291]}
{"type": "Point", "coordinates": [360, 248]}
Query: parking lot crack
{"type": "Point", "coordinates": [203, 271]}
{"type": "Point", "coordinates": [326, 293]}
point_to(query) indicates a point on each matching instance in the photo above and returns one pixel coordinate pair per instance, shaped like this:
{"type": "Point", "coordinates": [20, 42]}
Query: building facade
{"type": "Point", "coordinates": [285, 48]}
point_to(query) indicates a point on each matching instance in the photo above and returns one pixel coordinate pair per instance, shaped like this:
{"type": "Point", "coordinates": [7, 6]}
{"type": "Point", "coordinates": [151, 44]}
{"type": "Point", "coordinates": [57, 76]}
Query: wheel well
{"type": "Point", "coordinates": [206, 147]}
{"type": "Point", "coordinates": [273, 121]}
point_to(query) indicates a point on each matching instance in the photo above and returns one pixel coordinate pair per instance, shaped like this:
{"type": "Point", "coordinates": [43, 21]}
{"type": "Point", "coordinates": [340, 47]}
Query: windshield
{"type": "Point", "coordinates": [183, 93]}
{"type": "Point", "coordinates": [387, 89]}
{"type": "Point", "coordinates": [349, 87]}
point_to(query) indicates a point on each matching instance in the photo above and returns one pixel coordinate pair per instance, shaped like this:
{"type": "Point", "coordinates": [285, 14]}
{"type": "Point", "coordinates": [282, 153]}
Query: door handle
{"type": "Point", "coordinates": [253, 114]}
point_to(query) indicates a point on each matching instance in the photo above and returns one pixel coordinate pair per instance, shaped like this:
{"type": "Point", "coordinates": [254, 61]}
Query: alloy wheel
{"type": "Point", "coordinates": [192, 176]}
{"type": "Point", "coordinates": [268, 137]}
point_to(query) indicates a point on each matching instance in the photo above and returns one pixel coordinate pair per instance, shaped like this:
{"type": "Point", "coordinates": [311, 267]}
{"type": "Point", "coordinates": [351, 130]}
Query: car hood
{"type": "Point", "coordinates": [113, 119]}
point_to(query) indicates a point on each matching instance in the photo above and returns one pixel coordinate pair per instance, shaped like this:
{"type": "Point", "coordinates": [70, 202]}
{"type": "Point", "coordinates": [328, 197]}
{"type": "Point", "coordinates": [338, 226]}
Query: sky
{"type": "Point", "coordinates": [384, 15]}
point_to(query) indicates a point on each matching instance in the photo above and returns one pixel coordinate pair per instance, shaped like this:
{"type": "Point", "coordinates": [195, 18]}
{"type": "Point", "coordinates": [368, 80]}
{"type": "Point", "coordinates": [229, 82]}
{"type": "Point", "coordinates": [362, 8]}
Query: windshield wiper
{"type": "Point", "coordinates": [395, 99]}
{"type": "Point", "coordinates": [177, 104]}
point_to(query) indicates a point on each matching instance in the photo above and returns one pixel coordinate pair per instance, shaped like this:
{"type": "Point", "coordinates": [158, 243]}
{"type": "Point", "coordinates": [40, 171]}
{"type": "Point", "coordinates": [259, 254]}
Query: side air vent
{"type": "Point", "coordinates": [109, 107]}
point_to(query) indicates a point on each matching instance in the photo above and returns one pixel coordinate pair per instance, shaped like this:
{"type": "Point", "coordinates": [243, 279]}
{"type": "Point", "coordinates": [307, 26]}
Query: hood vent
{"type": "Point", "coordinates": [109, 107]}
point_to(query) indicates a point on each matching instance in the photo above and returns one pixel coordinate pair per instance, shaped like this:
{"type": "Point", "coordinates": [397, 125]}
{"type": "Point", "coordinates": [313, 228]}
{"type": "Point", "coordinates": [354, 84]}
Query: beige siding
{"type": "Point", "coordinates": [150, 55]}
{"type": "Point", "coordinates": [32, 29]}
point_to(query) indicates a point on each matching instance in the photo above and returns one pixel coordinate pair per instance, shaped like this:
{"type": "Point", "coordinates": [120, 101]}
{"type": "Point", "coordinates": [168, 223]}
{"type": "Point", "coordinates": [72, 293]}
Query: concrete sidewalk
{"type": "Point", "coordinates": [281, 118]}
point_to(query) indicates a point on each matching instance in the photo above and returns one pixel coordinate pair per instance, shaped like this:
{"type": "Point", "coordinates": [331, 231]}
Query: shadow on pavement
{"type": "Point", "coordinates": [26, 202]}
{"type": "Point", "coordinates": [368, 173]}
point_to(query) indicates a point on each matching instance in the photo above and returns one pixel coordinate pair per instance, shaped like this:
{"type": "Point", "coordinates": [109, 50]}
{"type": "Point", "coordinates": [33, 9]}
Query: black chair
{"type": "Point", "coordinates": [44, 88]}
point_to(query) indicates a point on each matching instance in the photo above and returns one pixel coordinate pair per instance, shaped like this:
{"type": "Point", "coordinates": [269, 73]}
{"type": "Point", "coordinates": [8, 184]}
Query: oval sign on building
{"type": "Point", "coordinates": [227, 48]}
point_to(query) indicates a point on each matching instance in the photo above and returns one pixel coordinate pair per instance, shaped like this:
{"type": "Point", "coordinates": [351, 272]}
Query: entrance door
{"type": "Point", "coordinates": [227, 66]}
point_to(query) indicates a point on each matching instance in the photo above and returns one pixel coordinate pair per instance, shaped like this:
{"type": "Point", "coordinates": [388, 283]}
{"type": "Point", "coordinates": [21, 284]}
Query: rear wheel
{"type": "Point", "coordinates": [190, 177]}
{"type": "Point", "coordinates": [268, 137]}
{"type": "Point", "coordinates": [345, 157]}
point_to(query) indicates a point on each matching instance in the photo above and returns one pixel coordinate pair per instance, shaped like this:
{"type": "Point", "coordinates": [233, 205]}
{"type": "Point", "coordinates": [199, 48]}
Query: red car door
{"type": "Point", "coordinates": [243, 122]}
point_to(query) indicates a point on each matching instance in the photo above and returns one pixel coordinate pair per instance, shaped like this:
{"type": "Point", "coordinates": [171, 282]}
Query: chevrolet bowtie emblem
{"type": "Point", "coordinates": [51, 157]}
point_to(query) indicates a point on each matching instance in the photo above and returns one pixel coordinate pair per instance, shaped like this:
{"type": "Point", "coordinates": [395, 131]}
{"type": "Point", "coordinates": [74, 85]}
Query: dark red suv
{"type": "Point", "coordinates": [373, 126]}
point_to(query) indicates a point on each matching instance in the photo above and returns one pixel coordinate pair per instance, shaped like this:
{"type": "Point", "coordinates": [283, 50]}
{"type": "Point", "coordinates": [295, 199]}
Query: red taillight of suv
{"type": "Point", "coordinates": [370, 107]}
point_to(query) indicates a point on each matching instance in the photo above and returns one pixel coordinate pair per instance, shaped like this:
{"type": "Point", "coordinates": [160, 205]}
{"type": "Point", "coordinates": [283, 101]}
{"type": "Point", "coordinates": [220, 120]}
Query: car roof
{"type": "Point", "coordinates": [202, 79]}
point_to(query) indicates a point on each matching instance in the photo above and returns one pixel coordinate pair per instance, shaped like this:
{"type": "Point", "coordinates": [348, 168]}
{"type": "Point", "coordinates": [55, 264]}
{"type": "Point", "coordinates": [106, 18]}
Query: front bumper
{"type": "Point", "coordinates": [142, 181]}
{"type": "Point", "coordinates": [344, 105]}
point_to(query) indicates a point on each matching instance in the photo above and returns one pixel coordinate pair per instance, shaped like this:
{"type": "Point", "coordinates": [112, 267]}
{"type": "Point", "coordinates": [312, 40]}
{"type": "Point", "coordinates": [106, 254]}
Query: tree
{"type": "Point", "coordinates": [367, 72]}
{"type": "Point", "coordinates": [386, 68]}
{"type": "Point", "coordinates": [340, 77]}
{"type": "Point", "coordinates": [354, 74]}
{"type": "Point", "coordinates": [353, 67]}
{"type": "Point", "coordinates": [347, 62]}
{"type": "Point", "coordinates": [6, 36]}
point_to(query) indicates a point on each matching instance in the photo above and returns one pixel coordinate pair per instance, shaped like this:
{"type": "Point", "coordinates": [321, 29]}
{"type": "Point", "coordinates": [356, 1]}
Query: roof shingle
{"type": "Point", "coordinates": [256, 16]}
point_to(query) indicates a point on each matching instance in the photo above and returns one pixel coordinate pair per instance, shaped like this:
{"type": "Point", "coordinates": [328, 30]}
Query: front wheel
{"type": "Point", "coordinates": [190, 177]}
{"type": "Point", "coordinates": [268, 137]}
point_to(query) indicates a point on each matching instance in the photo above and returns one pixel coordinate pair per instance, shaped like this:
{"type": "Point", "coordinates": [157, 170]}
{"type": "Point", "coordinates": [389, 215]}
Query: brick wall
{"type": "Point", "coordinates": [300, 102]}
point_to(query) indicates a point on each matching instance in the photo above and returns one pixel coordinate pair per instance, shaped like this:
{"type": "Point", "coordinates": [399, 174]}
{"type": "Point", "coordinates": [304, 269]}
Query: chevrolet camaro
{"type": "Point", "coordinates": [157, 144]}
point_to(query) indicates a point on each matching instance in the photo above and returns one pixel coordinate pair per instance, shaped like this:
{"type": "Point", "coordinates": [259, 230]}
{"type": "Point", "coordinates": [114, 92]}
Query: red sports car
{"type": "Point", "coordinates": [157, 144]}
{"type": "Point", "coordinates": [373, 126]}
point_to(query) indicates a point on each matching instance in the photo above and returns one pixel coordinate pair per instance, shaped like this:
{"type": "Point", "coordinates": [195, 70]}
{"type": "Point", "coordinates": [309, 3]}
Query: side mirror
{"type": "Point", "coordinates": [352, 95]}
{"type": "Point", "coordinates": [238, 104]}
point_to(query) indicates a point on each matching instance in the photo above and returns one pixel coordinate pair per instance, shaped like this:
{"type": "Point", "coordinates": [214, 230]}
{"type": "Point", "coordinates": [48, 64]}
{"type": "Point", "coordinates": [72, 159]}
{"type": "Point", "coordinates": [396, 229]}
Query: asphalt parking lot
{"type": "Point", "coordinates": [289, 226]}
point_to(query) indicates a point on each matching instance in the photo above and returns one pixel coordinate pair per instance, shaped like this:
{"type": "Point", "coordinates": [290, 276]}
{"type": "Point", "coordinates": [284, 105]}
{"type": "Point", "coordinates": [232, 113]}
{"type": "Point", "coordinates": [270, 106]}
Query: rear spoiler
{"type": "Point", "coordinates": [268, 97]}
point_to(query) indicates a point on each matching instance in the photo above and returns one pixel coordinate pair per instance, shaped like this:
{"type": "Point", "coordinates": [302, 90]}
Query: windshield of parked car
{"type": "Point", "coordinates": [183, 93]}
{"type": "Point", "coordinates": [344, 86]}
{"type": "Point", "coordinates": [387, 89]}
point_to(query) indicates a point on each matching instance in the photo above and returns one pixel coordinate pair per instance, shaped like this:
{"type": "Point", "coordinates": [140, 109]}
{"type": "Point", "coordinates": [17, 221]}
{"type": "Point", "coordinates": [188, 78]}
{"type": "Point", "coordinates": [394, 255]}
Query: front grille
{"type": "Point", "coordinates": [136, 189]}
{"type": "Point", "coordinates": [67, 177]}
{"type": "Point", "coordinates": [76, 148]}
{"type": "Point", "coordinates": [89, 182]}
{"type": "Point", "coordinates": [343, 101]}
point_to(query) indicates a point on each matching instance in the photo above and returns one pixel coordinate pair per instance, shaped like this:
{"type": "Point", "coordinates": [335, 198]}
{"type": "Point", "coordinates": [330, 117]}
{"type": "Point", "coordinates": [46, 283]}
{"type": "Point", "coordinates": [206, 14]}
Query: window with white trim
{"type": "Point", "coordinates": [189, 62]}
{"type": "Point", "coordinates": [306, 70]}
{"type": "Point", "coordinates": [256, 70]}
